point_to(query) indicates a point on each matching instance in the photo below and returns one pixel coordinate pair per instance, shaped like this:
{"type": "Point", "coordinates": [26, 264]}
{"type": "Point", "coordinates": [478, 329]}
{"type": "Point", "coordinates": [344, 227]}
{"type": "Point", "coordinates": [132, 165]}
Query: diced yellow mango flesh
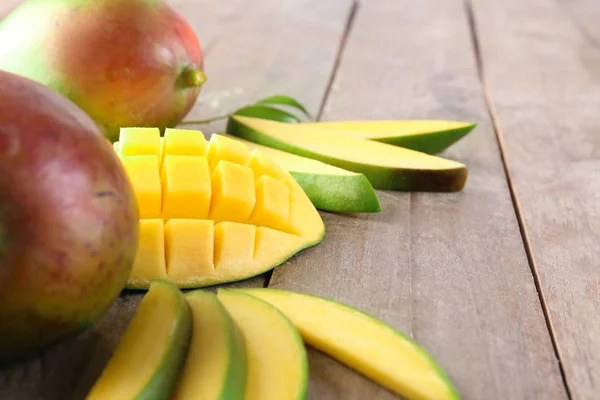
{"type": "Point", "coordinates": [203, 226]}
{"type": "Point", "coordinates": [262, 165]}
{"type": "Point", "coordinates": [184, 142]}
{"type": "Point", "coordinates": [223, 148]}
{"type": "Point", "coordinates": [233, 196]}
{"type": "Point", "coordinates": [199, 252]}
{"type": "Point", "coordinates": [272, 245]}
{"type": "Point", "coordinates": [145, 177]}
{"type": "Point", "coordinates": [234, 244]}
{"type": "Point", "coordinates": [186, 190]}
{"type": "Point", "coordinates": [139, 142]}
{"type": "Point", "coordinates": [149, 263]}
{"type": "Point", "coordinates": [189, 247]}
{"type": "Point", "coordinates": [272, 207]}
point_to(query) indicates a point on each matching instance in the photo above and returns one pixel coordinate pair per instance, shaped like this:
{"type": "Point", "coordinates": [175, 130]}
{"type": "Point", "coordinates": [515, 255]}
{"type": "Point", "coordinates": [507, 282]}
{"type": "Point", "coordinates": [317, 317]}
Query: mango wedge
{"type": "Point", "coordinates": [211, 211]}
{"type": "Point", "coordinates": [427, 136]}
{"type": "Point", "coordinates": [363, 343]}
{"type": "Point", "coordinates": [216, 364]}
{"type": "Point", "coordinates": [277, 360]}
{"type": "Point", "coordinates": [386, 166]}
{"type": "Point", "coordinates": [329, 188]}
{"type": "Point", "coordinates": [147, 362]}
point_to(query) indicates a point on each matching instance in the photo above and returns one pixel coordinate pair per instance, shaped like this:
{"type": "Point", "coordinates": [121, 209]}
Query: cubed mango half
{"type": "Point", "coordinates": [212, 211]}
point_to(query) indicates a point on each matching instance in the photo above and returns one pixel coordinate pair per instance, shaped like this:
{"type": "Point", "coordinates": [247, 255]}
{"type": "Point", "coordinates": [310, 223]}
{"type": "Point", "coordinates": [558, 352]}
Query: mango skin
{"type": "Point", "coordinates": [122, 61]}
{"type": "Point", "coordinates": [69, 223]}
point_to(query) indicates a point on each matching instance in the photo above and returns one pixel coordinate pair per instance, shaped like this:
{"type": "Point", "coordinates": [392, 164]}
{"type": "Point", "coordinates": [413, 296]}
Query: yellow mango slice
{"type": "Point", "coordinates": [153, 350]}
{"type": "Point", "coordinates": [272, 208]}
{"type": "Point", "coordinates": [189, 247]}
{"type": "Point", "coordinates": [223, 148]}
{"type": "Point", "coordinates": [277, 359]}
{"type": "Point", "coordinates": [216, 366]}
{"type": "Point", "coordinates": [218, 212]}
{"type": "Point", "coordinates": [233, 195]}
{"type": "Point", "coordinates": [145, 178]}
{"type": "Point", "coordinates": [149, 262]}
{"type": "Point", "coordinates": [362, 342]}
{"type": "Point", "coordinates": [139, 142]}
{"type": "Point", "coordinates": [186, 187]}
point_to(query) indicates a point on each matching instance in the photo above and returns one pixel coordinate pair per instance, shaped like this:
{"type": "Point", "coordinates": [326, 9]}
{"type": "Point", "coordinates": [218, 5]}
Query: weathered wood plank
{"type": "Point", "coordinates": [543, 74]}
{"type": "Point", "coordinates": [585, 15]}
{"type": "Point", "coordinates": [253, 49]}
{"type": "Point", "coordinates": [450, 270]}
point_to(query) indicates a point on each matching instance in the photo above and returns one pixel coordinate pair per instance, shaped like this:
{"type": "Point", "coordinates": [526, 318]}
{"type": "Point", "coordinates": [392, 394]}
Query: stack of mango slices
{"type": "Point", "coordinates": [380, 154]}
{"type": "Point", "coordinates": [211, 211]}
{"type": "Point", "coordinates": [250, 344]}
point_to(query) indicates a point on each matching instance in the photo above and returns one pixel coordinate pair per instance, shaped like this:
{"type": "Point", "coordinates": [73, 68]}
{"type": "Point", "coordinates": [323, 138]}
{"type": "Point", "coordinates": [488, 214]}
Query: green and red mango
{"type": "Point", "coordinates": [124, 62]}
{"type": "Point", "coordinates": [69, 222]}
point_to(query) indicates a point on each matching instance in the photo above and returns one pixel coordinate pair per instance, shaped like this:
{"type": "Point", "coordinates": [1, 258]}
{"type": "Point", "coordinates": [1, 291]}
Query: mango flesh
{"type": "Point", "coordinates": [386, 166]}
{"type": "Point", "coordinates": [363, 343]}
{"type": "Point", "coordinates": [427, 136]}
{"type": "Point", "coordinates": [151, 354]}
{"type": "Point", "coordinates": [277, 360]}
{"type": "Point", "coordinates": [69, 222]}
{"type": "Point", "coordinates": [211, 211]}
{"type": "Point", "coordinates": [125, 63]}
{"type": "Point", "coordinates": [216, 364]}
{"type": "Point", "coordinates": [329, 188]}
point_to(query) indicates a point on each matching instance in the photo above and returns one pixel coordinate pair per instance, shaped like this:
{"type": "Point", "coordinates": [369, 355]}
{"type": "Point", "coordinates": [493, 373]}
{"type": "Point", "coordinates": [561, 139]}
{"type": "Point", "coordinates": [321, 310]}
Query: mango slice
{"type": "Point", "coordinates": [386, 166]}
{"type": "Point", "coordinates": [152, 352]}
{"type": "Point", "coordinates": [216, 365]}
{"type": "Point", "coordinates": [362, 342]}
{"type": "Point", "coordinates": [227, 213]}
{"type": "Point", "coordinates": [427, 136]}
{"type": "Point", "coordinates": [277, 360]}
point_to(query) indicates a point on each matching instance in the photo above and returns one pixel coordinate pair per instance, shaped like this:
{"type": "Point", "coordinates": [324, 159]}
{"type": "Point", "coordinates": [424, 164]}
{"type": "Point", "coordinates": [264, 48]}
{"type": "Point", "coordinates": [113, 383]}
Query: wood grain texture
{"type": "Point", "coordinates": [543, 74]}
{"type": "Point", "coordinates": [253, 49]}
{"type": "Point", "coordinates": [267, 48]}
{"type": "Point", "coordinates": [585, 14]}
{"type": "Point", "coordinates": [450, 270]}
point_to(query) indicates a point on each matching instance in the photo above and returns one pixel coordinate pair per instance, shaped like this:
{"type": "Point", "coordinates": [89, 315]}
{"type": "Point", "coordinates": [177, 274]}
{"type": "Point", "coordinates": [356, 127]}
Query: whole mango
{"type": "Point", "coordinates": [124, 62]}
{"type": "Point", "coordinates": [69, 220]}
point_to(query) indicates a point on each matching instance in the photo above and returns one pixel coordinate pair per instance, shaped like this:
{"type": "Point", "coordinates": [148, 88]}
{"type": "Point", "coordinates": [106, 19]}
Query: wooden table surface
{"type": "Point", "coordinates": [500, 282]}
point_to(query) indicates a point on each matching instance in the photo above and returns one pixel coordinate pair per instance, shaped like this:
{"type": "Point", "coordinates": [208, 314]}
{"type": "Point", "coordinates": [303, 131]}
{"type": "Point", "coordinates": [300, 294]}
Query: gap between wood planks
{"type": "Point", "coordinates": [515, 200]}
{"type": "Point", "coordinates": [334, 69]}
